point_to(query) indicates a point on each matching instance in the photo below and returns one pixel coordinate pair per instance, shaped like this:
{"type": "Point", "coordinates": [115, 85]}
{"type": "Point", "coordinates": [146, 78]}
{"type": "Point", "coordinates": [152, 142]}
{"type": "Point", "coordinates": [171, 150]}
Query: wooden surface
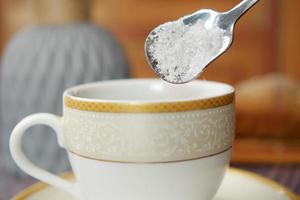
{"type": "Point", "coordinates": [61, 11]}
{"type": "Point", "coordinates": [253, 150]}
{"type": "Point", "coordinates": [254, 50]}
{"type": "Point", "coordinates": [289, 38]}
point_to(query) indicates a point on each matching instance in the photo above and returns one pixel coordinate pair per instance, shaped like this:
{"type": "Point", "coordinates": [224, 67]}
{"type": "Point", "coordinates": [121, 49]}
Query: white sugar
{"type": "Point", "coordinates": [181, 52]}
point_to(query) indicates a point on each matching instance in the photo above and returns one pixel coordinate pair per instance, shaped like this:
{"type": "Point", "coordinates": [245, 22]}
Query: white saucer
{"type": "Point", "coordinates": [237, 185]}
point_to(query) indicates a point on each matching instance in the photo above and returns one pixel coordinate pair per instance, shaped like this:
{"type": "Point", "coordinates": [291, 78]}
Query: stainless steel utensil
{"type": "Point", "coordinates": [223, 20]}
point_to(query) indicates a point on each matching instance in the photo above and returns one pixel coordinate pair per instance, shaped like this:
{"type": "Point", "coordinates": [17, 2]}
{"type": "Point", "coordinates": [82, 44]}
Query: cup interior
{"type": "Point", "coordinates": [148, 91]}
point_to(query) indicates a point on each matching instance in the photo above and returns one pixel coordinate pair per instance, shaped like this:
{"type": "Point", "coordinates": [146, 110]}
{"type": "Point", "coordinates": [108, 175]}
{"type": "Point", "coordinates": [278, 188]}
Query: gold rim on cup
{"type": "Point", "coordinates": [180, 106]}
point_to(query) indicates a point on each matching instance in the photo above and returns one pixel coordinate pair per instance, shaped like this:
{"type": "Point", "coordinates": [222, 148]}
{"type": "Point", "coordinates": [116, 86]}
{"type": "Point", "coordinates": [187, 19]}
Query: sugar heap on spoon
{"type": "Point", "coordinates": [180, 50]}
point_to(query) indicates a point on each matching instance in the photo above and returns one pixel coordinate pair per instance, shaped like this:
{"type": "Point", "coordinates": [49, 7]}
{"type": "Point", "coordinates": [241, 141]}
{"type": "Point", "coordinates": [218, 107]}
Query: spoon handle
{"type": "Point", "coordinates": [235, 13]}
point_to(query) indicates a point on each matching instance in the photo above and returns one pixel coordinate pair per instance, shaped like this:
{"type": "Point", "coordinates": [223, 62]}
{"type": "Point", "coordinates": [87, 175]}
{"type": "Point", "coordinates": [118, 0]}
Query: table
{"type": "Point", "coordinates": [288, 175]}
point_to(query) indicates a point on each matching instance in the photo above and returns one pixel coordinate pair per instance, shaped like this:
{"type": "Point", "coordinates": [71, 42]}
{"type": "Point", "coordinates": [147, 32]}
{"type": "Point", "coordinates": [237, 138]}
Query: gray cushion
{"type": "Point", "coordinates": [38, 65]}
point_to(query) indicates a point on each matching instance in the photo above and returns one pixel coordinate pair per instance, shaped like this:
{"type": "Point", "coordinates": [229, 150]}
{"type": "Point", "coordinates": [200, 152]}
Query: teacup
{"type": "Point", "coordinates": [140, 139]}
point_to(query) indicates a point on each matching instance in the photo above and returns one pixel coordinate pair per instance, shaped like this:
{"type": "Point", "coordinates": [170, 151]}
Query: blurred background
{"type": "Point", "coordinates": [263, 64]}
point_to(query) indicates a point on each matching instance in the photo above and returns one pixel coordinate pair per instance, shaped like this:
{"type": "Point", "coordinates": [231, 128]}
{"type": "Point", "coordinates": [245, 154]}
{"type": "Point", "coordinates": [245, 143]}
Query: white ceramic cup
{"type": "Point", "coordinates": [140, 139]}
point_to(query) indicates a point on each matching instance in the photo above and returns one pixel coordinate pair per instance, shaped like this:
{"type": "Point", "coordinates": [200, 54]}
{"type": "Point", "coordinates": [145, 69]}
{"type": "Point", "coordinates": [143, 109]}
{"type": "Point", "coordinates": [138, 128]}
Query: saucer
{"type": "Point", "coordinates": [237, 185]}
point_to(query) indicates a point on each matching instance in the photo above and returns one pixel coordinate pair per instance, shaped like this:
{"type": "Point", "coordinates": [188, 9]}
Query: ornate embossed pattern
{"type": "Point", "coordinates": [149, 107]}
{"type": "Point", "coordinates": [152, 137]}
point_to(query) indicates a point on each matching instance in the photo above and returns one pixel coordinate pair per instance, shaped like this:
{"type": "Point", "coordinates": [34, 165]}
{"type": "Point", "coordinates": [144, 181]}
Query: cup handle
{"type": "Point", "coordinates": [25, 164]}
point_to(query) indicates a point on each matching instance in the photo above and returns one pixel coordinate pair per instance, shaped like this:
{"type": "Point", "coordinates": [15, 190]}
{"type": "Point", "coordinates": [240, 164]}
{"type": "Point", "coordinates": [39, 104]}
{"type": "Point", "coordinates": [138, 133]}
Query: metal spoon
{"type": "Point", "coordinates": [223, 20]}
